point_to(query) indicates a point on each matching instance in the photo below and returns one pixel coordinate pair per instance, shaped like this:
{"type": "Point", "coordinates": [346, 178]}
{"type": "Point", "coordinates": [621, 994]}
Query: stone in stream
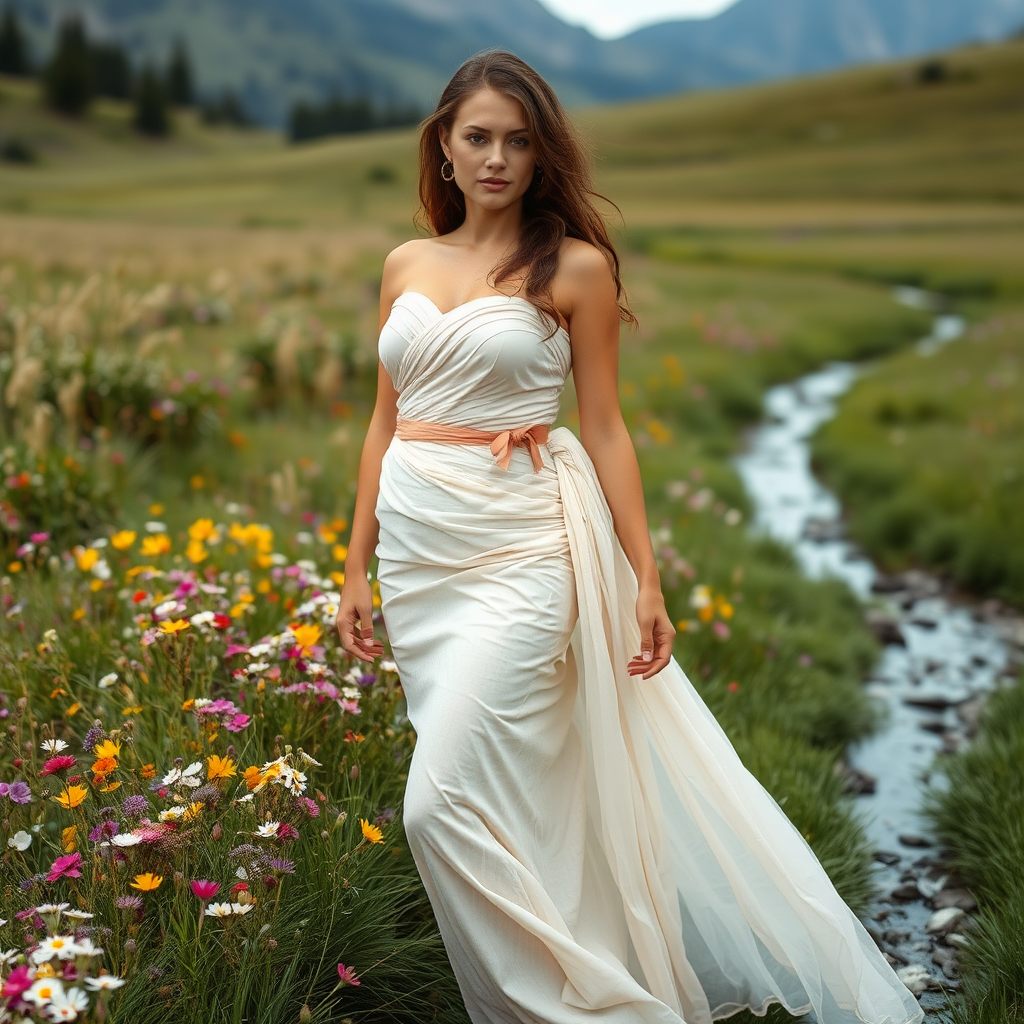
{"type": "Point", "coordinates": [854, 780]}
{"type": "Point", "coordinates": [886, 627]}
{"type": "Point", "coordinates": [944, 920]}
{"type": "Point", "coordinates": [887, 857]}
{"type": "Point", "coordinates": [906, 892]}
{"type": "Point", "coordinates": [961, 899]}
{"type": "Point", "coordinates": [956, 939]}
{"type": "Point", "coordinates": [912, 839]}
{"type": "Point", "coordinates": [883, 584]}
{"type": "Point", "coordinates": [935, 701]}
{"type": "Point", "coordinates": [915, 977]}
{"type": "Point", "coordinates": [947, 959]}
{"type": "Point", "coordinates": [936, 725]}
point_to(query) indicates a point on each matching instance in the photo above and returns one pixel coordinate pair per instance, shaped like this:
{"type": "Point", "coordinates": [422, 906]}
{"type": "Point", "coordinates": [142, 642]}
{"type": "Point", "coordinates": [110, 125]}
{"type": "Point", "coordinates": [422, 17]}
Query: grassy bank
{"type": "Point", "coordinates": [978, 816]}
{"type": "Point", "coordinates": [927, 455]}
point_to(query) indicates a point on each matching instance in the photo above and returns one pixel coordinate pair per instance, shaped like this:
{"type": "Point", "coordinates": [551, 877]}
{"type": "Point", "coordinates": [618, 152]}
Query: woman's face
{"type": "Point", "coordinates": [490, 148]}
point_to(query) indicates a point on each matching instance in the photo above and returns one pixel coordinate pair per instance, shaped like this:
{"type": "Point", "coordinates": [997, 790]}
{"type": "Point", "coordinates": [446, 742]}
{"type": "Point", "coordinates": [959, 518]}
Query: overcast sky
{"type": "Point", "coordinates": [611, 18]}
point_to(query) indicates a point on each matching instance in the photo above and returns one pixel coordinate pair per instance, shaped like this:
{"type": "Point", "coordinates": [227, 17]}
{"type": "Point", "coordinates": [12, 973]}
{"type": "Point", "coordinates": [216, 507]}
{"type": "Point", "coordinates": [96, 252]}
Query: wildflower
{"type": "Point", "coordinates": [43, 991]}
{"type": "Point", "coordinates": [104, 982]}
{"type": "Point", "coordinates": [108, 748]}
{"type": "Point", "coordinates": [53, 746]}
{"type": "Point", "coordinates": [305, 636]}
{"type": "Point", "coordinates": [67, 837]}
{"type": "Point", "coordinates": [268, 830]}
{"type": "Point", "coordinates": [17, 792]}
{"type": "Point", "coordinates": [147, 882]}
{"type": "Point", "coordinates": [155, 544]}
{"type": "Point", "coordinates": [123, 539]}
{"type": "Point", "coordinates": [104, 765]}
{"type": "Point", "coordinates": [123, 839]}
{"type": "Point", "coordinates": [205, 889]}
{"type": "Point", "coordinates": [67, 1005]}
{"type": "Point", "coordinates": [241, 908]}
{"type": "Point", "coordinates": [128, 903]}
{"type": "Point", "coordinates": [371, 832]}
{"type": "Point", "coordinates": [134, 805]}
{"type": "Point", "coordinates": [105, 830]}
{"type": "Point", "coordinates": [347, 976]}
{"type": "Point", "coordinates": [86, 948]}
{"type": "Point", "coordinates": [20, 841]}
{"type": "Point", "coordinates": [721, 630]}
{"type": "Point", "coordinates": [196, 552]}
{"type": "Point", "coordinates": [87, 558]}
{"type": "Point", "coordinates": [219, 910]}
{"type": "Point", "coordinates": [107, 681]}
{"type": "Point", "coordinates": [287, 832]}
{"type": "Point", "coordinates": [65, 867]}
{"type": "Point", "coordinates": [169, 627]}
{"type": "Point", "coordinates": [17, 982]}
{"type": "Point", "coordinates": [220, 767]}
{"type": "Point", "coordinates": [285, 867]}
{"type": "Point", "coordinates": [71, 796]}
{"type": "Point", "coordinates": [63, 947]}
{"type": "Point", "coordinates": [79, 915]}
{"type": "Point", "coordinates": [733, 687]}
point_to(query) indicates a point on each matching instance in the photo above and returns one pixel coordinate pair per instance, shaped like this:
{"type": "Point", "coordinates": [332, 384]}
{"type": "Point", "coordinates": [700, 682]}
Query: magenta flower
{"type": "Point", "coordinates": [57, 764]}
{"type": "Point", "coordinates": [65, 867]}
{"type": "Point", "coordinates": [17, 792]}
{"type": "Point", "coordinates": [18, 981]}
{"type": "Point", "coordinates": [39, 538]}
{"type": "Point", "coordinates": [287, 832]}
{"type": "Point", "coordinates": [204, 889]}
{"type": "Point", "coordinates": [347, 975]}
{"type": "Point", "coordinates": [237, 723]}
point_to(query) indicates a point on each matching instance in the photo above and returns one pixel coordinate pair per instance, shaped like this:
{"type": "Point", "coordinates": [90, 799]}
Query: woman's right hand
{"type": "Point", "coordinates": [355, 619]}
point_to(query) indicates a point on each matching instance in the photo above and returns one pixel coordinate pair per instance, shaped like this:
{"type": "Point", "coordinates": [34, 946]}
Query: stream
{"type": "Point", "coordinates": [940, 656]}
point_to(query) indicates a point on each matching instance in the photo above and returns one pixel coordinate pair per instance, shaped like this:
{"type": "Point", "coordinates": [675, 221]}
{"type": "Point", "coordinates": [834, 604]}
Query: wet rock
{"type": "Point", "coordinates": [931, 665]}
{"type": "Point", "coordinates": [944, 920]}
{"type": "Point", "coordinates": [960, 899]}
{"type": "Point", "coordinates": [956, 939]}
{"type": "Point", "coordinates": [886, 627]}
{"type": "Point", "coordinates": [883, 584]}
{"type": "Point", "coordinates": [855, 781]}
{"type": "Point", "coordinates": [947, 960]}
{"type": "Point", "coordinates": [906, 892]}
{"type": "Point", "coordinates": [887, 857]}
{"type": "Point", "coordinates": [934, 701]}
{"type": "Point", "coordinates": [969, 712]}
{"type": "Point", "coordinates": [912, 839]}
{"type": "Point", "coordinates": [936, 725]}
{"type": "Point", "coordinates": [895, 938]}
{"type": "Point", "coordinates": [820, 530]}
{"type": "Point", "coordinates": [923, 623]}
{"type": "Point", "coordinates": [915, 977]}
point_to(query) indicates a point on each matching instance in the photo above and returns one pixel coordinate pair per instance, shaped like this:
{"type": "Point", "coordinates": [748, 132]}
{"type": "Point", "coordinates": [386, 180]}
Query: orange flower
{"type": "Point", "coordinates": [147, 882]}
{"type": "Point", "coordinates": [170, 628]}
{"type": "Point", "coordinates": [104, 765]}
{"type": "Point", "coordinates": [148, 771]}
{"type": "Point", "coordinates": [305, 636]}
{"type": "Point", "coordinates": [371, 832]}
{"type": "Point", "coordinates": [123, 539]}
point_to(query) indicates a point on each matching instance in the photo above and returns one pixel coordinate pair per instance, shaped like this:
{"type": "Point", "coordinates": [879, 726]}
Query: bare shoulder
{"type": "Point", "coordinates": [401, 264]}
{"type": "Point", "coordinates": [584, 274]}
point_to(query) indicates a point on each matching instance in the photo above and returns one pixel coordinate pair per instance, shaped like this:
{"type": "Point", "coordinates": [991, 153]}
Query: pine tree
{"type": "Point", "coordinates": [151, 114]}
{"type": "Point", "coordinates": [13, 51]}
{"type": "Point", "coordinates": [112, 71]}
{"type": "Point", "coordinates": [180, 88]}
{"type": "Point", "coordinates": [69, 77]}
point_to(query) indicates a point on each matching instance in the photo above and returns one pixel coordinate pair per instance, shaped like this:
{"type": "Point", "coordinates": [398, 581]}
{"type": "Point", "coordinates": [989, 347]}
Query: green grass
{"type": "Point", "coordinates": [979, 818]}
{"type": "Point", "coordinates": [927, 455]}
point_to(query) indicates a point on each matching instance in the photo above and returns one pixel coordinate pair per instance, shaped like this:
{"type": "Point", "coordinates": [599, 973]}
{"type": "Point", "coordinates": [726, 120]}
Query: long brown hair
{"type": "Point", "coordinates": [558, 205]}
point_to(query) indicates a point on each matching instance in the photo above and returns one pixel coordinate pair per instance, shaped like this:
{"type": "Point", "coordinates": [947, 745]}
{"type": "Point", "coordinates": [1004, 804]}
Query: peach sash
{"type": "Point", "coordinates": [501, 441]}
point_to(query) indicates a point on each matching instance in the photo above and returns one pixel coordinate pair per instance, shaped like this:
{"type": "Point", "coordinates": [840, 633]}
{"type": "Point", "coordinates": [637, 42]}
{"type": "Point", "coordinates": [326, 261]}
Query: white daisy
{"type": "Point", "coordinates": [241, 908]}
{"type": "Point", "coordinates": [68, 1005]}
{"type": "Point", "coordinates": [201, 702]}
{"type": "Point", "coordinates": [53, 746]}
{"type": "Point", "coordinates": [202, 618]}
{"type": "Point", "coordinates": [104, 981]}
{"type": "Point", "coordinates": [258, 650]}
{"type": "Point", "coordinates": [125, 839]}
{"type": "Point", "coordinates": [43, 990]}
{"type": "Point", "coordinates": [386, 665]}
{"type": "Point", "coordinates": [172, 813]}
{"type": "Point", "coordinates": [10, 955]}
{"type": "Point", "coordinates": [257, 666]}
{"type": "Point", "coordinates": [172, 777]}
{"type": "Point", "coordinates": [219, 910]}
{"type": "Point", "coordinates": [52, 908]}
{"type": "Point", "coordinates": [268, 830]}
{"type": "Point", "coordinates": [167, 608]}
{"type": "Point", "coordinates": [63, 947]}
{"type": "Point", "coordinates": [107, 681]}
{"type": "Point", "coordinates": [87, 948]}
{"type": "Point", "coordinates": [79, 915]}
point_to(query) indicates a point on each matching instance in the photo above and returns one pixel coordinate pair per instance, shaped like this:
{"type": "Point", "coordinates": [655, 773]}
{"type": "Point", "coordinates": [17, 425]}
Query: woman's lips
{"type": "Point", "coordinates": [493, 184]}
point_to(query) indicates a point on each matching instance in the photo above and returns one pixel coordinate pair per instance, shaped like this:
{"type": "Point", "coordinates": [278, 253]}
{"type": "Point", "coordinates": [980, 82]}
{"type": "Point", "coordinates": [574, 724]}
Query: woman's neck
{"type": "Point", "coordinates": [491, 229]}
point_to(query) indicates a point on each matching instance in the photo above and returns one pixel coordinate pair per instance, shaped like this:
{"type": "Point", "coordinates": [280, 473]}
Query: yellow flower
{"type": "Point", "coordinates": [253, 777]}
{"type": "Point", "coordinates": [107, 748]}
{"type": "Point", "coordinates": [156, 509]}
{"type": "Point", "coordinates": [196, 552]}
{"type": "Point", "coordinates": [104, 765]}
{"type": "Point", "coordinates": [147, 882]}
{"type": "Point", "coordinates": [201, 529]}
{"type": "Point", "coordinates": [219, 767]}
{"type": "Point", "coordinates": [196, 482]}
{"type": "Point", "coordinates": [148, 771]}
{"type": "Point", "coordinates": [707, 613]}
{"type": "Point", "coordinates": [87, 558]}
{"type": "Point", "coordinates": [133, 709]}
{"type": "Point", "coordinates": [136, 569]}
{"type": "Point", "coordinates": [72, 796]}
{"type": "Point", "coordinates": [156, 544]}
{"type": "Point", "coordinates": [95, 585]}
{"type": "Point", "coordinates": [67, 838]}
{"type": "Point", "coordinates": [14, 566]}
{"type": "Point", "coordinates": [123, 539]}
{"type": "Point", "coordinates": [263, 587]}
{"type": "Point", "coordinates": [74, 709]}
{"type": "Point", "coordinates": [108, 788]}
{"type": "Point", "coordinates": [192, 810]}
{"type": "Point", "coordinates": [371, 832]}
{"type": "Point", "coordinates": [340, 552]}
{"type": "Point", "coordinates": [326, 534]}
{"type": "Point", "coordinates": [170, 628]}
{"type": "Point", "coordinates": [45, 971]}
{"type": "Point", "coordinates": [305, 636]}
{"type": "Point", "coordinates": [78, 613]}
{"type": "Point", "coordinates": [339, 578]}
{"type": "Point", "coordinates": [725, 609]}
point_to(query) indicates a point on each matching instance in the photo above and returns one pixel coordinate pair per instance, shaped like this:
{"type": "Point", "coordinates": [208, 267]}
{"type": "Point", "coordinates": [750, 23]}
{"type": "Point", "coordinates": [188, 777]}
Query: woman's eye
{"type": "Point", "coordinates": [524, 142]}
{"type": "Point", "coordinates": [475, 136]}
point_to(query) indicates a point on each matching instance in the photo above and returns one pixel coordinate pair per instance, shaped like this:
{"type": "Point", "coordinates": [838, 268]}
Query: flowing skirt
{"type": "Point", "coordinates": [592, 846]}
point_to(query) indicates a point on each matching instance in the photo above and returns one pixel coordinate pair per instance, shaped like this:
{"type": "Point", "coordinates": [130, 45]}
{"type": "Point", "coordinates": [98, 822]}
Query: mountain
{"type": "Point", "coordinates": [275, 51]}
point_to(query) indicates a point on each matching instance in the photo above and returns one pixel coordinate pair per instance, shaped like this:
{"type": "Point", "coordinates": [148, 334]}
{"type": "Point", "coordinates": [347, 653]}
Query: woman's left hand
{"type": "Point", "coordinates": [656, 634]}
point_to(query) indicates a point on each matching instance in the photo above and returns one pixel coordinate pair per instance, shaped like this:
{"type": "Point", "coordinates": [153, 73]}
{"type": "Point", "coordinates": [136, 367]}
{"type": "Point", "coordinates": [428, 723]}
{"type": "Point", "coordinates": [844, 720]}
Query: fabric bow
{"type": "Point", "coordinates": [503, 444]}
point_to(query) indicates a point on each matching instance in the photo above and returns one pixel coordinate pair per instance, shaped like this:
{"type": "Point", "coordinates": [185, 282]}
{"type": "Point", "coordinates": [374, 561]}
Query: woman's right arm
{"type": "Point", "coordinates": [355, 610]}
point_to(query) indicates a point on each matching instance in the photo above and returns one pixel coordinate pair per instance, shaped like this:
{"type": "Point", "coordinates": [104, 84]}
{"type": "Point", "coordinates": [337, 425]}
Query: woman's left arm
{"type": "Point", "coordinates": [586, 290]}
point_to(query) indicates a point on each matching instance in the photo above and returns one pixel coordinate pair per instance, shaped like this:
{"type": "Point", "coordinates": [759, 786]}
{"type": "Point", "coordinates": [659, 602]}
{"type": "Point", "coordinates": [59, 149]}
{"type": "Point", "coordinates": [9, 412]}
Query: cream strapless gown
{"type": "Point", "coordinates": [592, 846]}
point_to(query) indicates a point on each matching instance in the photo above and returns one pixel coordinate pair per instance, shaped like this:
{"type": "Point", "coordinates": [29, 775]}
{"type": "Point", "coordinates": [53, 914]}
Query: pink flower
{"type": "Point", "coordinates": [65, 867]}
{"type": "Point", "coordinates": [57, 764]}
{"type": "Point", "coordinates": [234, 649]}
{"type": "Point", "coordinates": [348, 975]}
{"type": "Point", "coordinates": [204, 889]}
{"type": "Point", "coordinates": [18, 981]}
{"type": "Point", "coordinates": [721, 630]}
{"type": "Point", "coordinates": [287, 832]}
{"type": "Point", "coordinates": [39, 538]}
{"type": "Point", "coordinates": [237, 723]}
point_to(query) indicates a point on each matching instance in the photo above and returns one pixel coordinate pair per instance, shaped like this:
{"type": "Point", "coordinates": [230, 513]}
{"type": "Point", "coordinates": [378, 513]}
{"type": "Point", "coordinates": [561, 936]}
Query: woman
{"type": "Point", "coordinates": [592, 847]}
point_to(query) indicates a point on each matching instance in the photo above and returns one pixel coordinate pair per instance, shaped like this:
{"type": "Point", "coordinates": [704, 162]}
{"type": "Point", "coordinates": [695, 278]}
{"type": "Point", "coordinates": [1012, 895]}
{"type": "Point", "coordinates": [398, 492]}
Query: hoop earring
{"type": "Point", "coordinates": [452, 167]}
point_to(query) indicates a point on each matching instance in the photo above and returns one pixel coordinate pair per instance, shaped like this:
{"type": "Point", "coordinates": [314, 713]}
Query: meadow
{"type": "Point", "coordinates": [187, 362]}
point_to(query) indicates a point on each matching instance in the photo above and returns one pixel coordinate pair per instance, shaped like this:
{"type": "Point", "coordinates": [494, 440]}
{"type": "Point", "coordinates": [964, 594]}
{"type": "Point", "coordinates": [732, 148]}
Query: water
{"type": "Point", "coordinates": [941, 658]}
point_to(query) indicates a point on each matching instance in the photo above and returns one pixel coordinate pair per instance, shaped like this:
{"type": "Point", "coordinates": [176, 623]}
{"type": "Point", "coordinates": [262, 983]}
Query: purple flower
{"type": "Point", "coordinates": [92, 737]}
{"type": "Point", "coordinates": [128, 902]}
{"type": "Point", "coordinates": [134, 806]}
{"type": "Point", "coordinates": [103, 831]}
{"type": "Point", "coordinates": [367, 679]}
{"type": "Point", "coordinates": [286, 867]}
{"type": "Point", "coordinates": [19, 793]}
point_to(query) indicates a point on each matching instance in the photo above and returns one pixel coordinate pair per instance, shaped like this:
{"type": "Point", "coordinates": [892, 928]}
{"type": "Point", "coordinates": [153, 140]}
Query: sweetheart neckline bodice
{"type": "Point", "coordinates": [495, 295]}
